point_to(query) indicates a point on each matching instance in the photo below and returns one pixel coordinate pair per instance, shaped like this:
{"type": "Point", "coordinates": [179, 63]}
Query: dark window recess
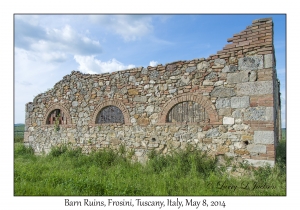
{"type": "Point", "coordinates": [56, 115]}
{"type": "Point", "coordinates": [187, 111]}
{"type": "Point", "coordinates": [110, 114]}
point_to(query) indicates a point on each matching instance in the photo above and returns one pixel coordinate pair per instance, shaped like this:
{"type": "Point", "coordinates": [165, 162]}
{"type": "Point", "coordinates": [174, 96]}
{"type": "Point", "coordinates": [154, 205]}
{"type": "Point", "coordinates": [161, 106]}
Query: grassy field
{"type": "Point", "coordinates": [69, 172]}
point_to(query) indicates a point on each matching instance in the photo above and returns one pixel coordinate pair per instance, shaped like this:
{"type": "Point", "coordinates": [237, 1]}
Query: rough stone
{"type": "Point", "coordinates": [269, 113]}
{"type": "Point", "coordinates": [259, 113]}
{"type": "Point", "coordinates": [225, 111]}
{"type": "Point", "coordinates": [203, 65]}
{"type": "Point", "coordinates": [240, 127]}
{"type": "Point", "coordinates": [219, 61]}
{"type": "Point", "coordinates": [257, 148]}
{"type": "Point", "coordinates": [255, 88]}
{"type": "Point", "coordinates": [185, 79]}
{"type": "Point", "coordinates": [219, 83]}
{"type": "Point", "coordinates": [191, 69]}
{"type": "Point", "coordinates": [222, 149]}
{"type": "Point", "coordinates": [240, 102]}
{"type": "Point", "coordinates": [260, 163]}
{"type": "Point", "coordinates": [268, 61]}
{"type": "Point", "coordinates": [133, 92]}
{"type": "Point", "coordinates": [132, 79]}
{"type": "Point", "coordinates": [143, 121]}
{"type": "Point", "coordinates": [239, 77]}
{"type": "Point", "coordinates": [223, 92]}
{"type": "Point", "coordinates": [228, 120]}
{"type": "Point", "coordinates": [140, 98]}
{"type": "Point", "coordinates": [149, 109]}
{"type": "Point", "coordinates": [144, 71]}
{"type": "Point", "coordinates": [172, 90]}
{"type": "Point", "coordinates": [222, 103]}
{"type": "Point", "coordinates": [211, 75]}
{"type": "Point", "coordinates": [212, 133]}
{"type": "Point", "coordinates": [253, 76]}
{"type": "Point", "coordinates": [207, 83]}
{"type": "Point", "coordinates": [264, 137]}
{"type": "Point", "coordinates": [154, 75]}
{"type": "Point", "coordinates": [230, 69]}
{"type": "Point", "coordinates": [251, 63]}
{"type": "Point", "coordinates": [75, 103]}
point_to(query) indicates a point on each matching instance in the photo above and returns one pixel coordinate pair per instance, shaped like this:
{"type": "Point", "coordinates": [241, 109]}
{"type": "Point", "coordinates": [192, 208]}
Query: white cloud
{"type": "Point", "coordinates": [130, 27]}
{"type": "Point", "coordinates": [54, 42]}
{"type": "Point", "coordinates": [91, 65]}
{"type": "Point", "coordinates": [153, 63]}
{"type": "Point", "coordinates": [32, 77]}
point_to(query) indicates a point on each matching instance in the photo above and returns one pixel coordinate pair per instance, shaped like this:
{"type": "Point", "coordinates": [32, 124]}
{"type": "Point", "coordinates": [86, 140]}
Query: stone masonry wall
{"type": "Point", "coordinates": [237, 87]}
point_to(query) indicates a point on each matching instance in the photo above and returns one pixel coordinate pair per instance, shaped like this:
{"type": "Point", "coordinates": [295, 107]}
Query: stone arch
{"type": "Point", "coordinates": [195, 97]}
{"type": "Point", "coordinates": [60, 107]}
{"type": "Point", "coordinates": [116, 103]}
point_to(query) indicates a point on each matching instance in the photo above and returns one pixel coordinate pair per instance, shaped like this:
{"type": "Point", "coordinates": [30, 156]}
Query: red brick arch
{"type": "Point", "coordinates": [116, 103]}
{"type": "Point", "coordinates": [195, 97]}
{"type": "Point", "coordinates": [57, 106]}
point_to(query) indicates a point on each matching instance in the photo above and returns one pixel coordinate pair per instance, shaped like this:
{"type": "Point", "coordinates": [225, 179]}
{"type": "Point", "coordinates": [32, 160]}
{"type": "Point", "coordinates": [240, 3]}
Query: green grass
{"type": "Point", "coordinates": [69, 172]}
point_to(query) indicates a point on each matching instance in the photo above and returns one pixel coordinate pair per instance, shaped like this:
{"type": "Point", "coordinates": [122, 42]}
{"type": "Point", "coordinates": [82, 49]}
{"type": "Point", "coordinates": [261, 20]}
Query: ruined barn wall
{"type": "Point", "coordinates": [236, 87]}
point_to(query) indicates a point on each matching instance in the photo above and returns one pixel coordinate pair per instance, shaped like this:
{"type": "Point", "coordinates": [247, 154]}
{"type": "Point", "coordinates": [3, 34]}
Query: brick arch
{"type": "Point", "coordinates": [62, 108]}
{"type": "Point", "coordinates": [116, 103]}
{"type": "Point", "coordinates": [195, 97]}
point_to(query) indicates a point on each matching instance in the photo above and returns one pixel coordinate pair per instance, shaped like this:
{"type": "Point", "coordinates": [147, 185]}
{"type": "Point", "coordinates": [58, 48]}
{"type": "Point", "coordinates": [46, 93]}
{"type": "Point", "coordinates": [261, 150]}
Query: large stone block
{"type": "Point", "coordinates": [264, 137]}
{"type": "Point", "coordinates": [251, 63]}
{"type": "Point", "coordinates": [223, 92]}
{"type": "Point", "coordinates": [270, 113]}
{"type": "Point", "coordinates": [257, 148]}
{"type": "Point", "coordinates": [259, 113]}
{"type": "Point", "coordinates": [255, 88]}
{"type": "Point", "coordinates": [222, 103]}
{"type": "Point", "coordinates": [255, 113]}
{"type": "Point", "coordinates": [268, 61]}
{"type": "Point", "coordinates": [240, 102]}
{"type": "Point", "coordinates": [238, 77]}
{"type": "Point", "coordinates": [259, 163]}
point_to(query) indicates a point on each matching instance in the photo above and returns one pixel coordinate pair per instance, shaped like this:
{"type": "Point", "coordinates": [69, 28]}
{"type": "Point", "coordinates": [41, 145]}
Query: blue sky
{"type": "Point", "coordinates": [48, 47]}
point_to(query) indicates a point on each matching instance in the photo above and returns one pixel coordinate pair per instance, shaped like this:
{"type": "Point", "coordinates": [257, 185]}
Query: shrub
{"type": "Point", "coordinates": [57, 151]}
{"type": "Point", "coordinates": [20, 149]}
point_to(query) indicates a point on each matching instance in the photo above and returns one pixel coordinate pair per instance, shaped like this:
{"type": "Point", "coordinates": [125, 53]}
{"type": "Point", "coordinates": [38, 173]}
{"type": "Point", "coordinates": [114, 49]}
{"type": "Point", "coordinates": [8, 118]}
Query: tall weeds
{"type": "Point", "coordinates": [67, 171]}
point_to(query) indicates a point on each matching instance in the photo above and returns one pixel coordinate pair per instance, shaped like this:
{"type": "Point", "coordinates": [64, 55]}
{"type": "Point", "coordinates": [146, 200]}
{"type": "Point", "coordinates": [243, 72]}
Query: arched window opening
{"type": "Point", "coordinates": [187, 111]}
{"type": "Point", "coordinates": [110, 114]}
{"type": "Point", "coordinates": [56, 116]}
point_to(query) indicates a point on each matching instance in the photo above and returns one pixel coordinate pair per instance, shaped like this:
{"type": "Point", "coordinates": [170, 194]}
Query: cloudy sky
{"type": "Point", "coordinates": [48, 47]}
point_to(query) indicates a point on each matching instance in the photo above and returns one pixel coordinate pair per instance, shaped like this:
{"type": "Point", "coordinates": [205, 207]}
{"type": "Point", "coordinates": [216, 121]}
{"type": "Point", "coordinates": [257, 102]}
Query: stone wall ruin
{"type": "Point", "coordinates": [227, 104]}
